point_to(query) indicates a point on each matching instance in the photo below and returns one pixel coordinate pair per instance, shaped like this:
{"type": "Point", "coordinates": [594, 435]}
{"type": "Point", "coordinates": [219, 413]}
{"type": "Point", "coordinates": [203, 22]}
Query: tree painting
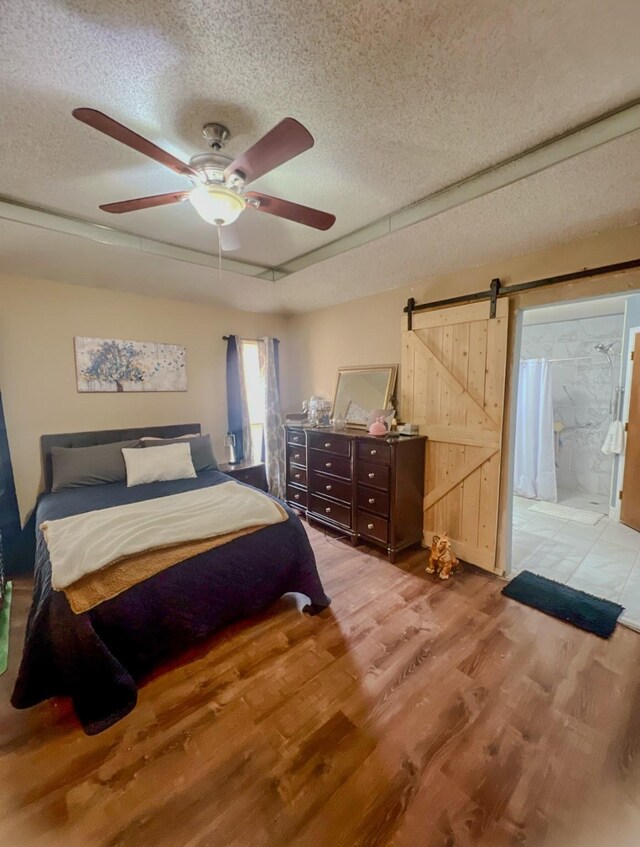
{"type": "Point", "coordinates": [114, 361]}
{"type": "Point", "coordinates": [107, 364]}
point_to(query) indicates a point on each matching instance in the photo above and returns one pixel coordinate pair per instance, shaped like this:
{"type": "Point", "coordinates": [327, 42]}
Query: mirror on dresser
{"type": "Point", "coordinates": [359, 390]}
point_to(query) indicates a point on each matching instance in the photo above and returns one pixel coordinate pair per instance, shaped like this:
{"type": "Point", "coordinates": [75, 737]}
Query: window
{"type": "Point", "coordinates": [254, 382]}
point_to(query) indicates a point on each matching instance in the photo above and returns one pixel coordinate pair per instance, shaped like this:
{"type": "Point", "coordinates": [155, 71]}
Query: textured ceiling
{"type": "Point", "coordinates": [403, 97]}
{"type": "Point", "coordinates": [562, 204]}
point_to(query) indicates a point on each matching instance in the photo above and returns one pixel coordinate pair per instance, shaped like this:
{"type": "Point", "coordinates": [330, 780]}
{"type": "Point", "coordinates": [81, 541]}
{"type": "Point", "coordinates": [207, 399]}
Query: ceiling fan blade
{"type": "Point", "coordinates": [145, 202]}
{"type": "Point", "coordinates": [229, 238]}
{"type": "Point", "coordinates": [285, 141]}
{"type": "Point", "coordinates": [292, 211]}
{"type": "Point", "coordinates": [103, 123]}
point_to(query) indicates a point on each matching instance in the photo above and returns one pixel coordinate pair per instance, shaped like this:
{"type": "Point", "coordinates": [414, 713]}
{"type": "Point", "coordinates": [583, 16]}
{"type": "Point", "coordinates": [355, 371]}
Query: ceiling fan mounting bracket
{"type": "Point", "coordinates": [216, 135]}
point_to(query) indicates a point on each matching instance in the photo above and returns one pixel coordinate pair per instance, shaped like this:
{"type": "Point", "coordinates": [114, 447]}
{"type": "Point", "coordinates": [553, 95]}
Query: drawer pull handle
{"type": "Point", "coordinates": [372, 500]}
{"type": "Point", "coordinates": [369, 526]}
{"type": "Point", "coordinates": [296, 496]}
{"type": "Point", "coordinates": [297, 476]}
{"type": "Point", "coordinates": [296, 455]}
{"type": "Point", "coordinates": [327, 464]}
{"type": "Point", "coordinates": [373, 452]}
{"type": "Point", "coordinates": [327, 444]}
{"type": "Point", "coordinates": [371, 475]}
{"type": "Point", "coordinates": [328, 488]}
{"type": "Point", "coordinates": [328, 509]}
{"type": "Point", "coordinates": [295, 439]}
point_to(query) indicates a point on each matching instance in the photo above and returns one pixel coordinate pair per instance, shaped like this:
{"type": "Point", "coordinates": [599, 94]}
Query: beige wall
{"type": "Point", "coordinates": [367, 331]}
{"type": "Point", "coordinates": [38, 321]}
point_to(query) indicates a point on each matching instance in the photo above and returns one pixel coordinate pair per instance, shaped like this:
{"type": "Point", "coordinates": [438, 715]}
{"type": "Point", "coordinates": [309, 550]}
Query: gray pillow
{"type": "Point", "coordinates": [201, 451]}
{"type": "Point", "coordinates": [77, 466]}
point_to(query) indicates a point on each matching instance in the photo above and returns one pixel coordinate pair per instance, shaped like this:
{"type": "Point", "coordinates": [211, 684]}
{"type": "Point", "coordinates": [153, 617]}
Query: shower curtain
{"type": "Point", "coordinates": [535, 461]}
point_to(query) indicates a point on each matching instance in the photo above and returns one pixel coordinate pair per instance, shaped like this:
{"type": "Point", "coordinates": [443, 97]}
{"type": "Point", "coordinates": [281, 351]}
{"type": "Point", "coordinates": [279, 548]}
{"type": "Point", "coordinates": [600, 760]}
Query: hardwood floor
{"type": "Point", "coordinates": [413, 713]}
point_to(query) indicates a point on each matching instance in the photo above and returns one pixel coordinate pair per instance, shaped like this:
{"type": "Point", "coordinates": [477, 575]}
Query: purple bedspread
{"type": "Point", "coordinates": [96, 657]}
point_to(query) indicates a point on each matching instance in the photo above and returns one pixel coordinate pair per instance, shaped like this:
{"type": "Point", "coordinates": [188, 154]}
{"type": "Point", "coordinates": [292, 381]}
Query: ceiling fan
{"type": "Point", "coordinates": [218, 194]}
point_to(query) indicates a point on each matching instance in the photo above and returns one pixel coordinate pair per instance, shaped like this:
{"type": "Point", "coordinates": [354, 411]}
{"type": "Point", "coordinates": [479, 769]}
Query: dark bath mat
{"type": "Point", "coordinates": [568, 604]}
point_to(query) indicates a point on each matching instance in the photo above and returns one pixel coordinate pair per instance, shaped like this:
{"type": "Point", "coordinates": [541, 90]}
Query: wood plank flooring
{"type": "Point", "coordinates": [413, 713]}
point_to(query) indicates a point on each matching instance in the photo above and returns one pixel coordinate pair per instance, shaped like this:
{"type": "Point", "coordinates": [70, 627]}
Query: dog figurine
{"type": "Point", "coordinates": [442, 558]}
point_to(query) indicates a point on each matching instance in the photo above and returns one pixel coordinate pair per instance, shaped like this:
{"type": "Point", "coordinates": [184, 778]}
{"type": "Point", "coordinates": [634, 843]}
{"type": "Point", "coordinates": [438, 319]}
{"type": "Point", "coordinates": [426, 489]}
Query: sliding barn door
{"type": "Point", "coordinates": [453, 375]}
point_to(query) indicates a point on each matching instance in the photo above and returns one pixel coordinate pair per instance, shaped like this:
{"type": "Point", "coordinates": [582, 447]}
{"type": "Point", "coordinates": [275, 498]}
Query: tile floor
{"type": "Point", "coordinates": [603, 559]}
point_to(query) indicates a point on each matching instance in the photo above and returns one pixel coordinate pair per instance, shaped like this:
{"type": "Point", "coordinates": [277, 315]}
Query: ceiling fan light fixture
{"type": "Point", "coordinates": [216, 204]}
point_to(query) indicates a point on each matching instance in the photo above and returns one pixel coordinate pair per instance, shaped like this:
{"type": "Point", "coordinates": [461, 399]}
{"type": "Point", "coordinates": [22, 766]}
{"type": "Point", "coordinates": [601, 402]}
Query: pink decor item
{"type": "Point", "coordinates": [378, 427]}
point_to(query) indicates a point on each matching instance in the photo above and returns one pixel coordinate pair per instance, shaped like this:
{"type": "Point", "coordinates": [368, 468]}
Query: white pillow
{"type": "Point", "coordinates": [158, 464]}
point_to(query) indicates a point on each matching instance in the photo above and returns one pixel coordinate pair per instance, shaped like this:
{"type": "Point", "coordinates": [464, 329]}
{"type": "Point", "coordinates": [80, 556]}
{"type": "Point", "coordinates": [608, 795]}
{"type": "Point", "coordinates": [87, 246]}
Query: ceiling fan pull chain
{"type": "Point", "coordinates": [219, 228]}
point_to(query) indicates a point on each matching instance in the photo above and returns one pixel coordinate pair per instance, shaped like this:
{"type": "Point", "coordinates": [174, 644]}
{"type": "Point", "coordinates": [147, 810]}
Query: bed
{"type": "Point", "coordinates": [97, 657]}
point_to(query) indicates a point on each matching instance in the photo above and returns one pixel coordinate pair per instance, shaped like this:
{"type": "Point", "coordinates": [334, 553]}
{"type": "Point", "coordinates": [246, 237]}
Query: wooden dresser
{"type": "Point", "coordinates": [365, 487]}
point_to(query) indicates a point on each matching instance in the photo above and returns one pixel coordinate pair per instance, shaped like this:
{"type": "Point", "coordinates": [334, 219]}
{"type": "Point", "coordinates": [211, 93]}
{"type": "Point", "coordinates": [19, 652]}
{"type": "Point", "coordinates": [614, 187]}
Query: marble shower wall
{"type": "Point", "coordinates": [581, 394]}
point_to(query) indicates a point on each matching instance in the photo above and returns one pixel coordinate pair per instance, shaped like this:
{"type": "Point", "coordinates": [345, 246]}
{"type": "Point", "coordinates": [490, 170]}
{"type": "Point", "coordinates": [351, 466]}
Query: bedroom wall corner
{"type": "Point", "coordinates": [367, 331]}
{"type": "Point", "coordinates": [38, 322]}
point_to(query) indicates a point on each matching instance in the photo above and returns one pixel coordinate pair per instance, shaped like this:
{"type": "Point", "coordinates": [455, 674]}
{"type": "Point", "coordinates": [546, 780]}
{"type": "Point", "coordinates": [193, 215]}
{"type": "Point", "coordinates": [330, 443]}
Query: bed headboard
{"type": "Point", "coordinates": [104, 436]}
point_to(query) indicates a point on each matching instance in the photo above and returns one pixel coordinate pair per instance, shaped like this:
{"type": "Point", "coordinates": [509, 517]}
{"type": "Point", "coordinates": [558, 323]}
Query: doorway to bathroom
{"type": "Point", "coordinates": [573, 386]}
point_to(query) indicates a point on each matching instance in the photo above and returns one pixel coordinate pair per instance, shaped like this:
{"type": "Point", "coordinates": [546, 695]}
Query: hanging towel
{"type": "Point", "coordinates": [614, 439]}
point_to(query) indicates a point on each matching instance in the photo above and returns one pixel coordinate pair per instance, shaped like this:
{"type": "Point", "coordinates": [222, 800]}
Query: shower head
{"type": "Point", "coordinates": [605, 349]}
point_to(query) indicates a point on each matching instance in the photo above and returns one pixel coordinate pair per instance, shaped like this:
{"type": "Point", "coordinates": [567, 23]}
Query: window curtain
{"type": "Point", "coordinates": [237, 407]}
{"type": "Point", "coordinates": [535, 461]}
{"type": "Point", "coordinates": [273, 430]}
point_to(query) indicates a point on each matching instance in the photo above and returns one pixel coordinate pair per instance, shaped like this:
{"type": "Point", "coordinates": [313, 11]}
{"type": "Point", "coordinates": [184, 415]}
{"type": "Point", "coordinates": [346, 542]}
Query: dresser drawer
{"type": "Point", "coordinates": [296, 436]}
{"type": "Point", "coordinates": [373, 527]}
{"type": "Point", "coordinates": [370, 452]}
{"type": "Point", "coordinates": [339, 445]}
{"type": "Point", "coordinates": [297, 455]}
{"type": "Point", "coordinates": [373, 501]}
{"type": "Point", "coordinates": [377, 476]}
{"type": "Point", "coordinates": [328, 463]}
{"type": "Point", "coordinates": [297, 496]}
{"type": "Point", "coordinates": [298, 476]}
{"type": "Point", "coordinates": [327, 486]}
{"type": "Point", "coordinates": [335, 512]}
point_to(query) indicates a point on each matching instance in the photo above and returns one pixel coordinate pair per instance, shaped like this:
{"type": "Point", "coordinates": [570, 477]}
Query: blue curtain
{"type": "Point", "coordinates": [9, 516]}
{"type": "Point", "coordinates": [234, 393]}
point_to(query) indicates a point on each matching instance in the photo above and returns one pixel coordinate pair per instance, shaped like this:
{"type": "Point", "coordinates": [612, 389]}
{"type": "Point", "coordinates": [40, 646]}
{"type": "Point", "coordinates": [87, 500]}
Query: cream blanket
{"type": "Point", "coordinates": [83, 544]}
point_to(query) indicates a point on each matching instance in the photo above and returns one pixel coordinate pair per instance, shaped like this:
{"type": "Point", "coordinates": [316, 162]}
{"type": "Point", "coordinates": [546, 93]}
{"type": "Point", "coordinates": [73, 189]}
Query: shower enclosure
{"type": "Point", "coordinates": [584, 362]}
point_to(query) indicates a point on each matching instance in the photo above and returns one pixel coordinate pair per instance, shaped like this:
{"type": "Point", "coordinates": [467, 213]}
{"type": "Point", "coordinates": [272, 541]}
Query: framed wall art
{"type": "Point", "coordinates": [111, 364]}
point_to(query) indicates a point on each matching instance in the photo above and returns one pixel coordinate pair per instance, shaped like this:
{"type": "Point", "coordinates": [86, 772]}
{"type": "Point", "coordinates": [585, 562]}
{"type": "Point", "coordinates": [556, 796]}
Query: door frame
{"type": "Point", "coordinates": [619, 473]}
{"type": "Point", "coordinates": [627, 282]}
{"type": "Point", "coordinates": [511, 395]}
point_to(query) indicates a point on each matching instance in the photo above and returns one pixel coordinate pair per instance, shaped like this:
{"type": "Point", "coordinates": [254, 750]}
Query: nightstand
{"type": "Point", "coordinates": [251, 473]}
